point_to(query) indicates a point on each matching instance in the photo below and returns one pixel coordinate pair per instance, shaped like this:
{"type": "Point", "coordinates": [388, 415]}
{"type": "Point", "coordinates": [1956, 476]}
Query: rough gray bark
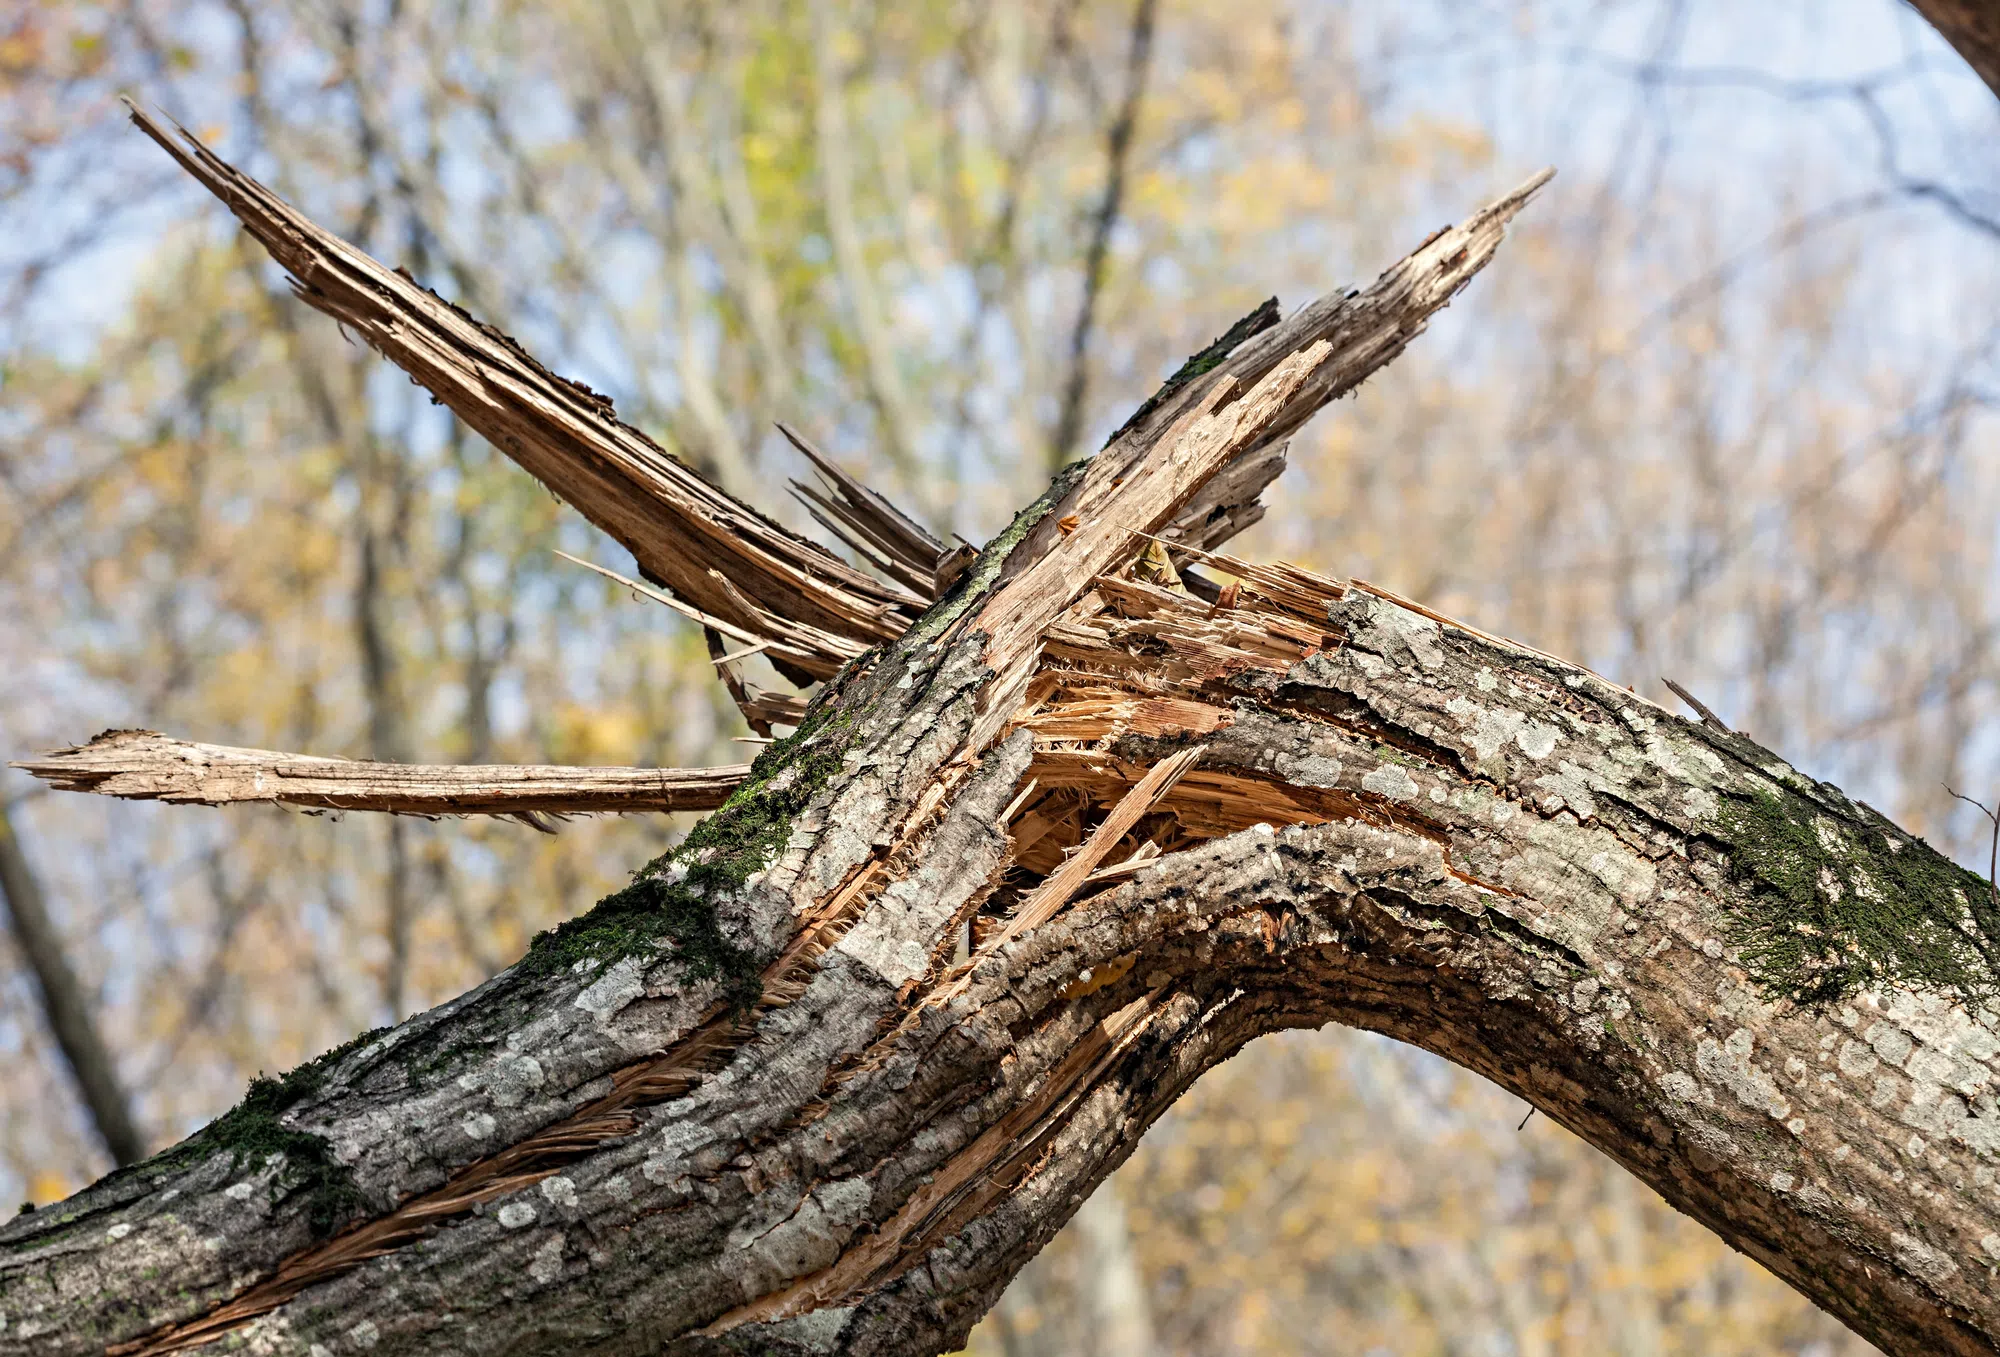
{"type": "Point", "coordinates": [752, 1104]}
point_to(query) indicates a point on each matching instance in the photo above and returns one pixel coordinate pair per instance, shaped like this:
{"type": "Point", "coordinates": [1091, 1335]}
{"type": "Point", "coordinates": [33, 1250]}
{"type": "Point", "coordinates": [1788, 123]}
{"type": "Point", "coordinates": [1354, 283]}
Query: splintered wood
{"type": "Point", "coordinates": [1131, 659]}
{"type": "Point", "coordinates": [141, 765]}
{"type": "Point", "coordinates": [712, 551]}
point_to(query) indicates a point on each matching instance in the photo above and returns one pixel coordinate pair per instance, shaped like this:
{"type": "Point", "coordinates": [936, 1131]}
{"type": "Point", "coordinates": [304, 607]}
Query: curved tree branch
{"type": "Point", "coordinates": [755, 1102]}
{"type": "Point", "coordinates": [786, 970]}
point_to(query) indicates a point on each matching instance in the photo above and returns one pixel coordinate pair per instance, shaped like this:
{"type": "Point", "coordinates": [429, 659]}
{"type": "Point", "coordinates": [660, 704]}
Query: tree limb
{"type": "Point", "coordinates": [64, 1003]}
{"type": "Point", "coordinates": [141, 765]}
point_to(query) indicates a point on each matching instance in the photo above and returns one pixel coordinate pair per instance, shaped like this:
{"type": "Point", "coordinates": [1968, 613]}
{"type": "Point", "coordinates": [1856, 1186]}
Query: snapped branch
{"type": "Point", "coordinates": [141, 765]}
{"type": "Point", "coordinates": [710, 549]}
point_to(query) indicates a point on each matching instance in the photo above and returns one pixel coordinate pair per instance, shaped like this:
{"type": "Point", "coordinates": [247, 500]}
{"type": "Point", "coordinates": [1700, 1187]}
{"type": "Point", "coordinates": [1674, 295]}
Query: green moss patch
{"type": "Point", "coordinates": [252, 1132]}
{"type": "Point", "coordinates": [1836, 902]}
{"type": "Point", "coordinates": [671, 901]}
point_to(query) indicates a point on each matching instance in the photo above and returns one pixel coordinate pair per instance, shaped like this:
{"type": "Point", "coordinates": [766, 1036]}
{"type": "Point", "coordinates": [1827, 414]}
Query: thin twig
{"type": "Point", "coordinates": [1993, 853]}
{"type": "Point", "coordinates": [1708, 717]}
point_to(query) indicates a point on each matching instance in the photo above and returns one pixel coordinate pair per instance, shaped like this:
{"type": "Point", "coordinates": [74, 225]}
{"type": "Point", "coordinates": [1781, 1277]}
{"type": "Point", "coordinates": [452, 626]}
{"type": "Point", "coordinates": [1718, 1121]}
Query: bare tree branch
{"type": "Point", "coordinates": [1117, 152]}
{"type": "Point", "coordinates": [64, 1003]}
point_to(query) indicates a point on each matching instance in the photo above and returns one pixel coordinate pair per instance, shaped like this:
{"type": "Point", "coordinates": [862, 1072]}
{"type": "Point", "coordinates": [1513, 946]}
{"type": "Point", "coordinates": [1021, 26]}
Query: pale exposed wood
{"type": "Point", "coordinates": [142, 765]}
{"type": "Point", "coordinates": [1284, 376]}
{"type": "Point", "coordinates": [1054, 893]}
{"type": "Point", "coordinates": [868, 522]}
{"type": "Point", "coordinates": [678, 526]}
{"type": "Point", "coordinates": [787, 642]}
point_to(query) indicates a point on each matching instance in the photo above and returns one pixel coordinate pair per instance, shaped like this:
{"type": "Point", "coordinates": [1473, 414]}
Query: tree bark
{"type": "Point", "coordinates": [754, 1103]}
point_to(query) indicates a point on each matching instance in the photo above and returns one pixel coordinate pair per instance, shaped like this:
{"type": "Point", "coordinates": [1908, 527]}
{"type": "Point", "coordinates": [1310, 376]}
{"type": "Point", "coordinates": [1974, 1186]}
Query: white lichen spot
{"type": "Point", "coordinates": [1885, 1093]}
{"type": "Point", "coordinates": [1680, 1086]}
{"type": "Point", "coordinates": [364, 1334]}
{"type": "Point", "coordinates": [547, 1263]}
{"type": "Point", "coordinates": [1484, 680]}
{"type": "Point", "coordinates": [1712, 949]}
{"type": "Point", "coordinates": [1584, 994]}
{"type": "Point", "coordinates": [1263, 830]}
{"type": "Point", "coordinates": [610, 992]}
{"type": "Point", "coordinates": [1393, 781]}
{"type": "Point", "coordinates": [1991, 1243]}
{"type": "Point", "coordinates": [1700, 805]}
{"type": "Point", "coordinates": [1309, 770]}
{"type": "Point", "coordinates": [1915, 1147]}
{"type": "Point", "coordinates": [119, 1231]}
{"type": "Point", "coordinates": [1394, 632]}
{"type": "Point", "coordinates": [516, 1215]}
{"type": "Point", "coordinates": [239, 1192]}
{"type": "Point", "coordinates": [560, 1190]}
{"type": "Point", "coordinates": [1537, 739]}
{"type": "Point", "coordinates": [1920, 1258]}
{"type": "Point", "coordinates": [1728, 1063]}
{"type": "Point", "coordinates": [508, 1080]}
{"type": "Point", "coordinates": [1504, 813]}
{"type": "Point", "coordinates": [1891, 1043]}
{"type": "Point", "coordinates": [1797, 1126]}
{"type": "Point", "coordinates": [619, 1187]}
{"type": "Point", "coordinates": [1566, 787]}
{"type": "Point", "coordinates": [478, 1126]}
{"type": "Point", "coordinates": [1782, 1181]}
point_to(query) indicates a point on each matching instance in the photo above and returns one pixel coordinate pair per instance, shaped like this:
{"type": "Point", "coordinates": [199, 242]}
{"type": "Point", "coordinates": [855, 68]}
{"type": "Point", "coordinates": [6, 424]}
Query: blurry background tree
{"type": "Point", "coordinates": [1719, 418]}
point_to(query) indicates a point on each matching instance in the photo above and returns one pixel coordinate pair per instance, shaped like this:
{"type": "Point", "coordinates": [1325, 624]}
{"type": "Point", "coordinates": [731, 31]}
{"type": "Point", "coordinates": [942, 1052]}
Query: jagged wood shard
{"type": "Point", "coordinates": [684, 531]}
{"type": "Point", "coordinates": [868, 522]}
{"type": "Point", "coordinates": [142, 765]}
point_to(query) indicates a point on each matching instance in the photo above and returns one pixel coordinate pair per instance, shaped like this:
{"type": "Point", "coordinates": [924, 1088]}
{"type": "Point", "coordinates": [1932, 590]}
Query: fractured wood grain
{"type": "Point", "coordinates": [679, 527]}
{"type": "Point", "coordinates": [143, 765]}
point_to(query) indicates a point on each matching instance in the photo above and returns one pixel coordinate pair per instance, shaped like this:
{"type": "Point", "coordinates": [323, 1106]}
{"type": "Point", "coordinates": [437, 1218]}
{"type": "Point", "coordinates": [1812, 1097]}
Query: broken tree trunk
{"type": "Point", "coordinates": [755, 1103]}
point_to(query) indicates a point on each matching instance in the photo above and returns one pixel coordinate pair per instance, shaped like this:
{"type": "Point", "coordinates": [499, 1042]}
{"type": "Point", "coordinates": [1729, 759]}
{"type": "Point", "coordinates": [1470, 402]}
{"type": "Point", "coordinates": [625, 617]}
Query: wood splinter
{"type": "Point", "coordinates": [143, 765]}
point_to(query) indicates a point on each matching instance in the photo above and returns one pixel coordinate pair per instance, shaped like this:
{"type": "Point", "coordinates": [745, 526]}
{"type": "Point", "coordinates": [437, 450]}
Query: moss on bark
{"type": "Point", "coordinates": [1837, 900]}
